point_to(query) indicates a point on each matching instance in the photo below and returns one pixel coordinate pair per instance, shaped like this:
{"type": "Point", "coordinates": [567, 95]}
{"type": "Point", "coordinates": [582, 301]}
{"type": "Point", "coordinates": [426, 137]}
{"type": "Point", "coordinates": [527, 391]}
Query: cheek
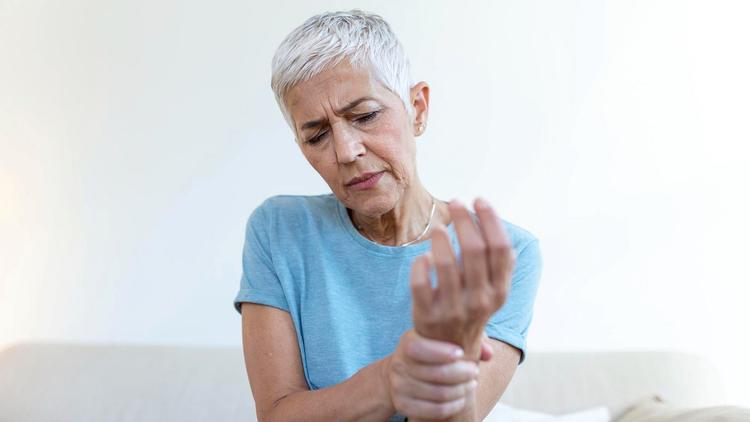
{"type": "Point", "coordinates": [399, 154]}
{"type": "Point", "coordinates": [317, 157]}
{"type": "Point", "coordinates": [327, 170]}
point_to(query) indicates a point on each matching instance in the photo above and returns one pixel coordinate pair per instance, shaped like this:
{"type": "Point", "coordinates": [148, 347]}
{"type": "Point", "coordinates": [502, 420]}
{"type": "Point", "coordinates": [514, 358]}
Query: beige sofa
{"type": "Point", "coordinates": [87, 382]}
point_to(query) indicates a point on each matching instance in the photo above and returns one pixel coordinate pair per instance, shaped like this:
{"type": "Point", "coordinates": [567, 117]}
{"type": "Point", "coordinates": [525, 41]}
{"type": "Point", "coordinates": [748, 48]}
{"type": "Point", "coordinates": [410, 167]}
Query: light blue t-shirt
{"type": "Point", "coordinates": [349, 297]}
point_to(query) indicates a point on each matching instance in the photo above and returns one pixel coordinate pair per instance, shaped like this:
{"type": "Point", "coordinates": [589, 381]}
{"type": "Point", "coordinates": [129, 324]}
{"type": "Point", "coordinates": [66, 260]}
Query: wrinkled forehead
{"type": "Point", "coordinates": [331, 90]}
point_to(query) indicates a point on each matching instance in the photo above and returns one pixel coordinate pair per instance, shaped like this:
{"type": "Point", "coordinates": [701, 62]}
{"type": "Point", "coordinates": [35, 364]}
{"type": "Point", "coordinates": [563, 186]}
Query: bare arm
{"type": "Point", "coordinates": [494, 377]}
{"type": "Point", "coordinates": [277, 380]}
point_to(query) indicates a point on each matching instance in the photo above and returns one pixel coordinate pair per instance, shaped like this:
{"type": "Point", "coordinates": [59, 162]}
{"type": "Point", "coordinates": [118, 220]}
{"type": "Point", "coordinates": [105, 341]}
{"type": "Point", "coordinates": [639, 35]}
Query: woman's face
{"type": "Point", "coordinates": [348, 124]}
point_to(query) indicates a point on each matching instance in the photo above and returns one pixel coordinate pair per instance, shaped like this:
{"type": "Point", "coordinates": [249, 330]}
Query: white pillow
{"type": "Point", "coordinates": [505, 413]}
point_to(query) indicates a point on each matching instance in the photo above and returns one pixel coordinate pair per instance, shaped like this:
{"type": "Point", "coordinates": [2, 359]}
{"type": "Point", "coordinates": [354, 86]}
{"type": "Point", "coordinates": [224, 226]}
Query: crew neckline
{"type": "Point", "coordinates": [410, 250]}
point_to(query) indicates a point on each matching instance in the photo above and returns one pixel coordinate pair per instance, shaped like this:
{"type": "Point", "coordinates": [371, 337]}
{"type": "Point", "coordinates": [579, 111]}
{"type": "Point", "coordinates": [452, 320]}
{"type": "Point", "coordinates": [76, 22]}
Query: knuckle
{"type": "Point", "coordinates": [474, 308]}
{"type": "Point", "coordinates": [475, 249]}
{"type": "Point", "coordinates": [479, 303]}
{"type": "Point", "coordinates": [453, 316]}
{"type": "Point", "coordinates": [501, 249]}
{"type": "Point", "coordinates": [398, 366]}
{"type": "Point", "coordinates": [501, 290]}
{"type": "Point", "coordinates": [480, 307]}
{"type": "Point", "coordinates": [443, 264]}
{"type": "Point", "coordinates": [509, 263]}
{"type": "Point", "coordinates": [501, 295]}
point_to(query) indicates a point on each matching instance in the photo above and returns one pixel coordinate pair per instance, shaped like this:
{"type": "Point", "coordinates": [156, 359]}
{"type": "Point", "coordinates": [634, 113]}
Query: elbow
{"type": "Point", "coordinates": [271, 412]}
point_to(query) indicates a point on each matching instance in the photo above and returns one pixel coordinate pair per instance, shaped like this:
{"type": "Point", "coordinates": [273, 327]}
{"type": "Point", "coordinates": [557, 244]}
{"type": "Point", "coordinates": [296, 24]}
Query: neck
{"type": "Point", "coordinates": [405, 222]}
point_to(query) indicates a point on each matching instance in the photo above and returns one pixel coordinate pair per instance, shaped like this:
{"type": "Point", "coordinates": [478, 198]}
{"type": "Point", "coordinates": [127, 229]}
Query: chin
{"type": "Point", "coordinates": [372, 203]}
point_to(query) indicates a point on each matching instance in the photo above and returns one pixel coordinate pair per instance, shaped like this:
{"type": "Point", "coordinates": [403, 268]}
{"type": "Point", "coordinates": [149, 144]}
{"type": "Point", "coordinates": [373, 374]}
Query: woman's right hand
{"type": "Point", "coordinates": [428, 378]}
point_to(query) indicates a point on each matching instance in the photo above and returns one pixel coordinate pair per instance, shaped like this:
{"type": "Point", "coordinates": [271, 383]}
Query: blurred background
{"type": "Point", "coordinates": [137, 136]}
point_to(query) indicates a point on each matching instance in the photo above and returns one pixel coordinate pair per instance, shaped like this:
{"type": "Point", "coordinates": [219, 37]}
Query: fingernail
{"type": "Point", "coordinates": [476, 370]}
{"type": "Point", "coordinates": [458, 353]}
{"type": "Point", "coordinates": [473, 384]}
{"type": "Point", "coordinates": [482, 204]}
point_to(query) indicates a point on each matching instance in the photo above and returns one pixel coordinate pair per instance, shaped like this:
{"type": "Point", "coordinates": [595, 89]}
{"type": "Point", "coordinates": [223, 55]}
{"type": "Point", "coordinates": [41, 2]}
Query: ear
{"type": "Point", "coordinates": [420, 101]}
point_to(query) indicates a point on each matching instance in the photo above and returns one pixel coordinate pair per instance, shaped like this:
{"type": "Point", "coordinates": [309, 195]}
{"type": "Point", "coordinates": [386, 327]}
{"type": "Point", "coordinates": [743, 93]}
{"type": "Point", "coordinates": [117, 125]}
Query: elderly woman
{"type": "Point", "coordinates": [377, 301]}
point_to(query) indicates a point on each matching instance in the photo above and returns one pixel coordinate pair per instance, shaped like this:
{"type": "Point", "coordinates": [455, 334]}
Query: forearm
{"type": "Point", "coordinates": [363, 397]}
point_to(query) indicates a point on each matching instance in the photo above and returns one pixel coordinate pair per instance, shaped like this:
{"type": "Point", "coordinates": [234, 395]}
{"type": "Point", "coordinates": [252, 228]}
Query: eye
{"type": "Point", "coordinates": [367, 117]}
{"type": "Point", "coordinates": [315, 139]}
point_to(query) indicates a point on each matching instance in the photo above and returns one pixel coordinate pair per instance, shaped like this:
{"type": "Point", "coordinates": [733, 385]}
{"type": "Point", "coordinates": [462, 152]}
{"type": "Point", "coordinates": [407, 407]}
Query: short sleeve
{"type": "Point", "coordinates": [259, 283]}
{"type": "Point", "coordinates": [511, 322]}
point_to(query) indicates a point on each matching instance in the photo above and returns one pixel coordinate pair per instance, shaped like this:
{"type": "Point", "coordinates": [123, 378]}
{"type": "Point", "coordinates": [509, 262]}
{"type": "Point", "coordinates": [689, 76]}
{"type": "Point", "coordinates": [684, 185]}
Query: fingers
{"type": "Point", "coordinates": [430, 390]}
{"type": "Point", "coordinates": [458, 372]}
{"type": "Point", "coordinates": [436, 392]}
{"type": "Point", "coordinates": [421, 289]}
{"type": "Point", "coordinates": [473, 248]}
{"type": "Point", "coordinates": [500, 252]}
{"type": "Point", "coordinates": [425, 350]}
{"type": "Point", "coordinates": [444, 260]}
{"type": "Point", "coordinates": [416, 408]}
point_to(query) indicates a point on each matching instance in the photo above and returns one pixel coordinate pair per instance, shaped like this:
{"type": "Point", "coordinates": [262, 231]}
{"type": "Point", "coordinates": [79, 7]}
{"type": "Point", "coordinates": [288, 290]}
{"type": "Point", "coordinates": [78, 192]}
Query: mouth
{"type": "Point", "coordinates": [361, 178]}
{"type": "Point", "coordinates": [365, 181]}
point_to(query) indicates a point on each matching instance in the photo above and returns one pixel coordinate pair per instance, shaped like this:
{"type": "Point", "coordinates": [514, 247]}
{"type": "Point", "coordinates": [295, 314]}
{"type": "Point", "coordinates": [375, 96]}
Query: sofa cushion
{"type": "Point", "coordinates": [504, 413]}
{"type": "Point", "coordinates": [654, 409]}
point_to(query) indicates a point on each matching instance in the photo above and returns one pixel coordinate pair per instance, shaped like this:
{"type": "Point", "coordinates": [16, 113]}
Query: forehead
{"type": "Point", "coordinates": [332, 89]}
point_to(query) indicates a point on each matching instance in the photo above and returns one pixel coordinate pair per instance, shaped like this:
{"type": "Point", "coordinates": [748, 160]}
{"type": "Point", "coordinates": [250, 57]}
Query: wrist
{"type": "Point", "coordinates": [473, 351]}
{"type": "Point", "coordinates": [383, 368]}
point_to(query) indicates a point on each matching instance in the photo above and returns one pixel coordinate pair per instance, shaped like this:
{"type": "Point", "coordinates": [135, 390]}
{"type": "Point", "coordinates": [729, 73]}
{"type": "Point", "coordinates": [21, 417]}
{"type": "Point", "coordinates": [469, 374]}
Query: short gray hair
{"type": "Point", "coordinates": [364, 39]}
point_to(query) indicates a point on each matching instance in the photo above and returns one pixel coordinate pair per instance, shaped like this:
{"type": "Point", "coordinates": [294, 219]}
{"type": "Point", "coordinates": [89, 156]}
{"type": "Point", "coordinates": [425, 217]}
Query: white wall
{"type": "Point", "coordinates": [136, 137]}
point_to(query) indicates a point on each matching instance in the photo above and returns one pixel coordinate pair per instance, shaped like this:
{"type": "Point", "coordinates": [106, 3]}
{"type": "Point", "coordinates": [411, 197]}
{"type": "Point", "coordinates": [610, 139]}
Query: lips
{"type": "Point", "coordinates": [362, 178]}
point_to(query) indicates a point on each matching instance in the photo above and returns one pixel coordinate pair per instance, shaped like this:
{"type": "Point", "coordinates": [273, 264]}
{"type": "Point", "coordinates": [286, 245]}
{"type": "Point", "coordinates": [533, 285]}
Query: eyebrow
{"type": "Point", "coordinates": [346, 108]}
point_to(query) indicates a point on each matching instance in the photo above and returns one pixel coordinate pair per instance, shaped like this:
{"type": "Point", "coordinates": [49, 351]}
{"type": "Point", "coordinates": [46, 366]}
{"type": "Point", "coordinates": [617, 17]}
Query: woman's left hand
{"type": "Point", "coordinates": [467, 294]}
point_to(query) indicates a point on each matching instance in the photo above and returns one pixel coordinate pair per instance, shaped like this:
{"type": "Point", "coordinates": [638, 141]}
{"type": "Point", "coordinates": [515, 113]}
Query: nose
{"type": "Point", "coordinates": [347, 143]}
